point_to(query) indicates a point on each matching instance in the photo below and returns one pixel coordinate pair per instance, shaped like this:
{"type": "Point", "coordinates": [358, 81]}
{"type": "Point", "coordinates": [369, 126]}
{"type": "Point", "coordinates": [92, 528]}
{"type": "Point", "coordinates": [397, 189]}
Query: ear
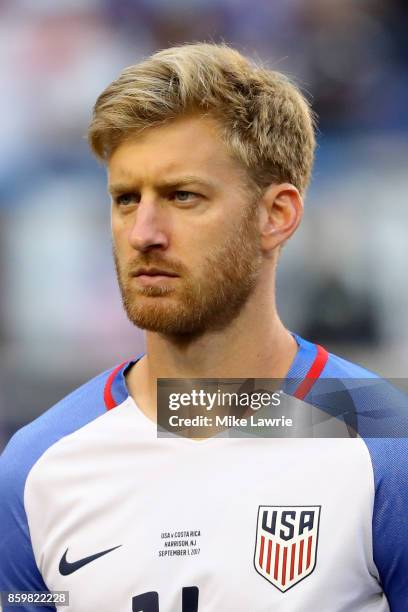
{"type": "Point", "coordinates": [280, 212]}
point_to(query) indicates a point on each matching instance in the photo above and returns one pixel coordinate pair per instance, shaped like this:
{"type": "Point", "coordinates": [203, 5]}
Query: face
{"type": "Point", "coordinates": [185, 229]}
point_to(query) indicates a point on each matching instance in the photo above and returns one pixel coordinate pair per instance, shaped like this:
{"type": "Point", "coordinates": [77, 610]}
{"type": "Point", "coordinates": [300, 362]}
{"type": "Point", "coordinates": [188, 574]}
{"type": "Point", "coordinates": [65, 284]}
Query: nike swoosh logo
{"type": "Point", "coordinates": [66, 568]}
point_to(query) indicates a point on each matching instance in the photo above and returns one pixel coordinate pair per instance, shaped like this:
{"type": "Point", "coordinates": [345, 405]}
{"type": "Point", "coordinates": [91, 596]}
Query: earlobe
{"type": "Point", "coordinates": [281, 210]}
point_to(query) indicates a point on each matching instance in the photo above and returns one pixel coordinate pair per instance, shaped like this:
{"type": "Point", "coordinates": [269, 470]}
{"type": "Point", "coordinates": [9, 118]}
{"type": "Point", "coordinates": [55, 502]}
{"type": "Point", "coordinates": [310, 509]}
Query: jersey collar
{"type": "Point", "coordinates": [306, 368]}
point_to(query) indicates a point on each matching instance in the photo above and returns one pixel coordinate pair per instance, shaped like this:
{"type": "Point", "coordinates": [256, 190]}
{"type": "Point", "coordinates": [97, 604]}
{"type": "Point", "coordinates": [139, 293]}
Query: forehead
{"type": "Point", "coordinates": [188, 145]}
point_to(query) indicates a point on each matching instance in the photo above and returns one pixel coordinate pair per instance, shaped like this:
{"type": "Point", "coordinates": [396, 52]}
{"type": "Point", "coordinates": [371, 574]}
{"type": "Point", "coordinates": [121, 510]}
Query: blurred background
{"type": "Point", "coordinates": [342, 279]}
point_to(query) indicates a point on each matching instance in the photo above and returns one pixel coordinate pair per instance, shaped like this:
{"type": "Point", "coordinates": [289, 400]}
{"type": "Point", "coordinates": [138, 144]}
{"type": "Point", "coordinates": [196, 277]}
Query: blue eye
{"type": "Point", "coordinates": [126, 198]}
{"type": "Point", "coordinates": [184, 196]}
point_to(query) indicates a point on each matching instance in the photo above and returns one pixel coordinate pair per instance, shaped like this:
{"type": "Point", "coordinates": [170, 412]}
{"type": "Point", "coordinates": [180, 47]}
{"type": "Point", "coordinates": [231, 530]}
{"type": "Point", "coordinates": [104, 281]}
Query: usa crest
{"type": "Point", "coordinates": [286, 543]}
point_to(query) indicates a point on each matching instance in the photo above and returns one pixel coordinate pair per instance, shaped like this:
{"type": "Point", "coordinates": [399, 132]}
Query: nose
{"type": "Point", "coordinates": [147, 230]}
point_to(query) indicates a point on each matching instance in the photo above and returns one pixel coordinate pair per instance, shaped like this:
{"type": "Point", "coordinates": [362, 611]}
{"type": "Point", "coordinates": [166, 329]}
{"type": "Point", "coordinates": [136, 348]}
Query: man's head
{"type": "Point", "coordinates": [206, 156]}
{"type": "Point", "coordinates": [264, 120]}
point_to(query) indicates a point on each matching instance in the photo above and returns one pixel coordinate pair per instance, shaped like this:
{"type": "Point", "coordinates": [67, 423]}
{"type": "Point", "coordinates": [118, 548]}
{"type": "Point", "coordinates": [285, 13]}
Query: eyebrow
{"type": "Point", "coordinates": [116, 188]}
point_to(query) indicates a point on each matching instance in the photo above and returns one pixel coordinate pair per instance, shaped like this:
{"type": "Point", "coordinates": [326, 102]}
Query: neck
{"type": "Point", "coordinates": [255, 345]}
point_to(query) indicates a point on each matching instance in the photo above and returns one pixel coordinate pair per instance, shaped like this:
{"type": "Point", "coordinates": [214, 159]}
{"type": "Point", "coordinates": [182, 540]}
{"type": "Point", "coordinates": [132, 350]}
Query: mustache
{"type": "Point", "coordinates": [153, 261]}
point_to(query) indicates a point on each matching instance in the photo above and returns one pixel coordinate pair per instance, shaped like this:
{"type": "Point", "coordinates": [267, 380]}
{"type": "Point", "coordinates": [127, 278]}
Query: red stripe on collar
{"type": "Point", "coordinates": [313, 374]}
{"type": "Point", "coordinates": [110, 401]}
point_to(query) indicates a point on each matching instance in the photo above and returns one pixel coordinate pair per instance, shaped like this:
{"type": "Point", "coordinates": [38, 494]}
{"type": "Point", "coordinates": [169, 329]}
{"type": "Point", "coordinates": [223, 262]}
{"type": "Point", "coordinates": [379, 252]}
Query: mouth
{"type": "Point", "coordinates": [154, 272]}
{"type": "Point", "coordinates": [153, 276]}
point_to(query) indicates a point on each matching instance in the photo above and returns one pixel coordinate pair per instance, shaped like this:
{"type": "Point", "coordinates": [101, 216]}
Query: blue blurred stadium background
{"type": "Point", "coordinates": [343, 278]}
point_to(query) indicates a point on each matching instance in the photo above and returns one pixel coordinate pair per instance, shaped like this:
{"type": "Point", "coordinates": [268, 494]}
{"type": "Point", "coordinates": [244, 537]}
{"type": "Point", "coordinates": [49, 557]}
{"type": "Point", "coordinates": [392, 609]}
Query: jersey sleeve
{"type": "Point", "coordinates": [378, 412]}
{"type": "Point", "coordinates": [18, 568]}
{"type": "Point", "coordinates": [390, 518]}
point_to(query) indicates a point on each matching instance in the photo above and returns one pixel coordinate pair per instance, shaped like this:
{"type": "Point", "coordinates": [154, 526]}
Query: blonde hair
{"type": "Point", "coordinates": [265, 121]}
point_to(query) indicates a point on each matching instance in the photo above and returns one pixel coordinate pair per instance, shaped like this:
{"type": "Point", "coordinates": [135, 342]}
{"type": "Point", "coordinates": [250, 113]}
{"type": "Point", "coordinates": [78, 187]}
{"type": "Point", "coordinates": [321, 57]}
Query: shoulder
{"type": "Point", "coordinates": [348, 390]}
{"type": "Point", "coordinates": [18, 568]}
{"type": "Point", "coordinates": [337, 366]}
{"type": "Point", "coordinates": [377, 410]}
{"type": "Point", "coordinates": [30, 442]}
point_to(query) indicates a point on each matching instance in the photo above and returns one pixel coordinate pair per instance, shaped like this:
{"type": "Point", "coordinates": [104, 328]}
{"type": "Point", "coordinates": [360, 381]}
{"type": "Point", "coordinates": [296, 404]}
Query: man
{"type": "Point", "coordinates": [208, 159]}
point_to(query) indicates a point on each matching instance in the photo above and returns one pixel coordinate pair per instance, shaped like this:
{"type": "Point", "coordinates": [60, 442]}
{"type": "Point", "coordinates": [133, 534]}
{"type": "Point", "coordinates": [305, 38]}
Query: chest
{"type": "Point", "coordinates": [165, 525]}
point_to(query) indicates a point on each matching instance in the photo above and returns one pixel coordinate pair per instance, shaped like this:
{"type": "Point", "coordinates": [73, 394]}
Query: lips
{"type": "Point", "coordinates": [154, 277]}
{"type": "Point", "coordinates": [152, 272]}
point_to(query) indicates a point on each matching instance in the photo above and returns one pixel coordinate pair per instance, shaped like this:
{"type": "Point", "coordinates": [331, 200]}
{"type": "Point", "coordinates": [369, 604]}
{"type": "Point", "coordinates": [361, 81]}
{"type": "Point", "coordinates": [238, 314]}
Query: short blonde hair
{"type": "Point", "coordinates": [265, 121]}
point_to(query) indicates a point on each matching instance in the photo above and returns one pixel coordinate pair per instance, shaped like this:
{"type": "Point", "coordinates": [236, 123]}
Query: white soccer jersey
{"type": "Point", "coordinates": [93, 503]}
